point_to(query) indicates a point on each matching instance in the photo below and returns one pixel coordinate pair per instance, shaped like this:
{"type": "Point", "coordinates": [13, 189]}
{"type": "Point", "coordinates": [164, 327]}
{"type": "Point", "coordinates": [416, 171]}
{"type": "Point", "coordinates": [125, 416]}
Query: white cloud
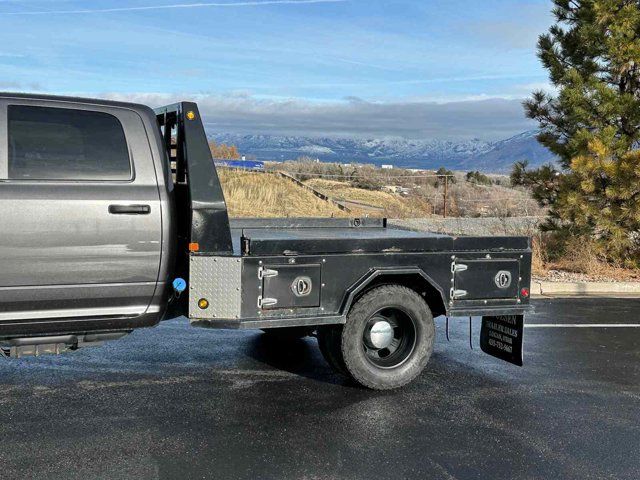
{"type": "Point", "coordinates": [491, 118]}
{"type": "Point", "coordinates": [173, 6]}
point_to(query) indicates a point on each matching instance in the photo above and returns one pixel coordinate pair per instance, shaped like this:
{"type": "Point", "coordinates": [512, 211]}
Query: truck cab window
{"type": "Point", "coordinates": [66, 144]}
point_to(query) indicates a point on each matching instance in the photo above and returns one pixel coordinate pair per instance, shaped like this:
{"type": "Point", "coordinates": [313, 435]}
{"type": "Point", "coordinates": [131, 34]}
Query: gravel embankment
{"type": "Point", "coordinates": [471, 226]}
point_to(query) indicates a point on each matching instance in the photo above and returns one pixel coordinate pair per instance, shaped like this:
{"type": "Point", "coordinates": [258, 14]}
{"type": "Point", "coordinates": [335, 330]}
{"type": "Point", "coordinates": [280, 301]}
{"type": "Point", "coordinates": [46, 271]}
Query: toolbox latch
{"type": "Point", "coordinates": [456, 293]}
{"type": "Point", "coordinates": [266, 302]}
{"type": "Point", "coordinates": [458, 267]}
{"type": "Point", "coordinates": [266, 272]}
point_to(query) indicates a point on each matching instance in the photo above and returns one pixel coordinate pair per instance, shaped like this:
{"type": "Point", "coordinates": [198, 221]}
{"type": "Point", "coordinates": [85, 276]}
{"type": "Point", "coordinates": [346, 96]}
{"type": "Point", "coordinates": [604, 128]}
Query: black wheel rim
{"type": "Point", "coordinates": [389, 337]}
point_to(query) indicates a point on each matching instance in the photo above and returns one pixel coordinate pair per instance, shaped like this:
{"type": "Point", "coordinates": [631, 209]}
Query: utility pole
{"type": "Point", "coordinates": [446, 187]}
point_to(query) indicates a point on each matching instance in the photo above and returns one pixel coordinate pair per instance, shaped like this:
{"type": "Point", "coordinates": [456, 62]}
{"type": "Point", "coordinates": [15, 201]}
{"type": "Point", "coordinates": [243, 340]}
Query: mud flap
{"type": "Point", "coordinates": [501, 337]}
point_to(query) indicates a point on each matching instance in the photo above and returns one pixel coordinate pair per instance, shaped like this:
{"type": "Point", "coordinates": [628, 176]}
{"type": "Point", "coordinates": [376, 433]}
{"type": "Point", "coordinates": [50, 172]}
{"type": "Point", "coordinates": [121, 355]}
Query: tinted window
{"type": "Point", "coordinates": [64, 144]}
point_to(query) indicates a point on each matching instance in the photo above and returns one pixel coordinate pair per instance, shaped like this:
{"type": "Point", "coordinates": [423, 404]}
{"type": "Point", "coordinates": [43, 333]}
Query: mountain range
{"type": "Point", "coordinates": [475, 154]}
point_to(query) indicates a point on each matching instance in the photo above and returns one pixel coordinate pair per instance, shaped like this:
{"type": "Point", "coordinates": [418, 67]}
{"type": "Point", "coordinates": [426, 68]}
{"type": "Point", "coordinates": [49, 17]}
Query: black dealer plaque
{"type": "Point", "coordinates": [501, 337]}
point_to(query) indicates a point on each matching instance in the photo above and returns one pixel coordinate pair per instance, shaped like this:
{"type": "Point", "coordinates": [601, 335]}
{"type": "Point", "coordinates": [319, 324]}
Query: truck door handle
{"type": "Point", "coordinates": [129, 209]}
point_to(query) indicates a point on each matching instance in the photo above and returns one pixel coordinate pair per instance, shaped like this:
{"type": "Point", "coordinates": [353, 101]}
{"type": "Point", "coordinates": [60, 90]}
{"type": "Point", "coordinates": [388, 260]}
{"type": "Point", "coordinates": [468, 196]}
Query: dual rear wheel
{"type": "Point", "coordinates": [386, 341]}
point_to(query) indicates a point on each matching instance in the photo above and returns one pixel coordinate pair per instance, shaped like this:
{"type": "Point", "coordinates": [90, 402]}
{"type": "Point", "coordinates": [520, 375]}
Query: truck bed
{"type": "Point", "coordinates": [258, 237]}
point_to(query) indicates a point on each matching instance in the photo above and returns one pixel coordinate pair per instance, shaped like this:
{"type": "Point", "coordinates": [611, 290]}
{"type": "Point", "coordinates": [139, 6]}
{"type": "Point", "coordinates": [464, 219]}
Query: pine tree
{"type": "Point", "coordinates": [592, 123]}
{"type": "Point", "coordinates": [518, 176]}
{"type": "Point", "coordinates": [442, 172]}
{"type": "Point", "coordinates": [477, 178]}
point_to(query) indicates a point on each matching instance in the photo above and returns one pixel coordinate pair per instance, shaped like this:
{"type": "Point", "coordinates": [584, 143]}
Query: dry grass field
{"type": "Point", "coordinates": [392, 205]}
{"type": "Point", "coordinates": [426, 190]}
{"type": "Point", "coordinates": [251, 194]}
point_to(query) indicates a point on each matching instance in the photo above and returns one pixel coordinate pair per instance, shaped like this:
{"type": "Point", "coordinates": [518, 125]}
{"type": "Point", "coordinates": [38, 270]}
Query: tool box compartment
{"type": "Point", "coordinates": [290, 286]}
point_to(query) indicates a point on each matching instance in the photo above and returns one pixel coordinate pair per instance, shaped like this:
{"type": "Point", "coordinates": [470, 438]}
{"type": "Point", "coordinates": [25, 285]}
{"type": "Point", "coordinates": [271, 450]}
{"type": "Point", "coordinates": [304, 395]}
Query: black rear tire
{"type": "Point", "coordinates": [288, 333]}
{"type": "Point", "coordinates": [330, 343]}
{"type": "Point", "coordinates": [388, 338]}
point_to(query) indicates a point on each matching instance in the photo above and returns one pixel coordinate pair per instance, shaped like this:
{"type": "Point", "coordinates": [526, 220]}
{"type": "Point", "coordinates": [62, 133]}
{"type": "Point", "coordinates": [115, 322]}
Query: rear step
{"type": "Point", "coordinates": [35, 346]}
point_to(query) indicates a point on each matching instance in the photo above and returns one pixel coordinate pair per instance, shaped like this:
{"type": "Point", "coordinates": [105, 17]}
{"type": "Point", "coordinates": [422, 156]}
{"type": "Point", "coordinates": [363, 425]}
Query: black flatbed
{"type": "Point", "coordinates": [332, 236]}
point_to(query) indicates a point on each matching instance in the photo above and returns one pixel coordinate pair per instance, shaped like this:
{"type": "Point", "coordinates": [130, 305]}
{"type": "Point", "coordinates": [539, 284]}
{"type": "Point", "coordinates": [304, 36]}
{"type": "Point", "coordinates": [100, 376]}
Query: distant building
{"type": "Point", "coordinates": [386, 167]}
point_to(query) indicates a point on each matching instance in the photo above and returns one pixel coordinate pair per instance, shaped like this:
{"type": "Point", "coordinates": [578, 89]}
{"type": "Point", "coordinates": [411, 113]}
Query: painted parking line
{"type": "Point", "coordinates": [582, 325]}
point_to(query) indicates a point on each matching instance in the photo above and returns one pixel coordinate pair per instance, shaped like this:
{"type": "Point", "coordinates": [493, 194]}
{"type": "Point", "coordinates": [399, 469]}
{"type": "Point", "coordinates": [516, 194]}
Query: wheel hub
{"type": "Point", "coordinates": [381, 334]}
{"type": "Point", "coordinates": [389, 337]}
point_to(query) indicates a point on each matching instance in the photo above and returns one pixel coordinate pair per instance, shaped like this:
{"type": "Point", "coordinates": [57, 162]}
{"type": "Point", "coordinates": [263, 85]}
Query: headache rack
{"type": "Point", "coordinates": [202, 211]}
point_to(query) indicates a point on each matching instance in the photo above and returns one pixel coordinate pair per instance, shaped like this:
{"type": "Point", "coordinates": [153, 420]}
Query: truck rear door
{"type": "Point", "coordinates": [80, 216]}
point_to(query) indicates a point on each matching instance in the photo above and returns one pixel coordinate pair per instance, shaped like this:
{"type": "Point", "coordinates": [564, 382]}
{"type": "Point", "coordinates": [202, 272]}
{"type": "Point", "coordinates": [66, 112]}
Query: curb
{"type": "Point", "coordinates": [601, 289]}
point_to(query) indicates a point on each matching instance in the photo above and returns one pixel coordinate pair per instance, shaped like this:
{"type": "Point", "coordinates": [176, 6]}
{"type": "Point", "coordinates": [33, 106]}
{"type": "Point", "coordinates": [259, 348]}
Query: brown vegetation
{"type": "Point", "coordinates": [226, 152]}
{"type": "Point", "coordinates": [467, 199]}
{"type": "Point", "coordinates": [578, 257]}
{"type": "Point", "coordinates": [391, 205]}
{"type": "Point", "coordinates": [251, 194]}
{"type": "Point", "coordinates": [468, 195]}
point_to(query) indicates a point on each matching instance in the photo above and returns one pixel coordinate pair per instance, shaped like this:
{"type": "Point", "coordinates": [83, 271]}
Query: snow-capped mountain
{"type": "Point", "coordinates": [474, 154]}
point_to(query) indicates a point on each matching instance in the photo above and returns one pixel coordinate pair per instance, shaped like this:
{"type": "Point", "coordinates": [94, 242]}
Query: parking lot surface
{"type": "Point", "coordinates": [180, 402]}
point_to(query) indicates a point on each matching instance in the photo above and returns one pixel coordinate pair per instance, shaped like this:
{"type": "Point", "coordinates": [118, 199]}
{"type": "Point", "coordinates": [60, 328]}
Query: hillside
{"type": "Point", "coordinates": [251, 194]}
{"type": "Point", "coordinates": [390, 205]}
{"type": "Point", "coordinates": [269, 195]}
{"type": "Point", "coordinates": [503, 153]}
{"type": "Point", "coordinates": [474, 154]}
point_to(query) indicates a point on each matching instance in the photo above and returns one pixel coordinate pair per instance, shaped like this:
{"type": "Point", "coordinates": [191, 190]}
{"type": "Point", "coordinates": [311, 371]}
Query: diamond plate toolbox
{"type": "Point", "coordinates": [218, 280]}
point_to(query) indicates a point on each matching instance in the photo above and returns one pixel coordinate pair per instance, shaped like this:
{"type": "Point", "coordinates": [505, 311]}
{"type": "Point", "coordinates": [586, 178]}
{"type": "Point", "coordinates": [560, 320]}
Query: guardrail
{"type": "Point", "coordinates": [317, 193]}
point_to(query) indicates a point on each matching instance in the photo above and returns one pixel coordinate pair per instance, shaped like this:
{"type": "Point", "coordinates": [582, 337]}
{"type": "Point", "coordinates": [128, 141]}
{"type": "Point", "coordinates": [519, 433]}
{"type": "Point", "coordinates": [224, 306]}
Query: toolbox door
{"type": "Point", "coordinates": [484, 279]}
{"type": "Point", "coordinates": [290, 286]}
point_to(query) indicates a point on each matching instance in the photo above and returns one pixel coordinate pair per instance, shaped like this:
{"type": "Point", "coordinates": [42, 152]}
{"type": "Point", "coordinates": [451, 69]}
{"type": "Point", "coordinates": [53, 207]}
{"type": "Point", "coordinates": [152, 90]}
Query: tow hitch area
{"type": "Point", "coordinates": [35, 346]}
{"type": "Point", "coordinates": [501, 337]}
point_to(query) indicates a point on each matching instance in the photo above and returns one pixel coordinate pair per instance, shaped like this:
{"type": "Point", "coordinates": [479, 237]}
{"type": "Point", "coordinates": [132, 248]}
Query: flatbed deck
{"type": "Point", "coordinates": [259, 237]}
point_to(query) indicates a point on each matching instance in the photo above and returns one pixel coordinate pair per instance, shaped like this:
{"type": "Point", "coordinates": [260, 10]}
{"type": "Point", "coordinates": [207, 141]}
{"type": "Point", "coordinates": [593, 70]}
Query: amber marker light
{"type": "Point", "coordinates": [203, 303]}
{"type": "Point", "coordinates": [191, 115]}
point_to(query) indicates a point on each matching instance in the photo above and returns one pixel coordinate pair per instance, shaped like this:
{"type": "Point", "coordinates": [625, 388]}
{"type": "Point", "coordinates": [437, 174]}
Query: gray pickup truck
{"type": "Point", "coordinates": [112, 218]}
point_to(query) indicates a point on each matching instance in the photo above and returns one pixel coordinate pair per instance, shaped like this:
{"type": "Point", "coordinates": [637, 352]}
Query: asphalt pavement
{"type": "Point", "coordinates": [181, 402]}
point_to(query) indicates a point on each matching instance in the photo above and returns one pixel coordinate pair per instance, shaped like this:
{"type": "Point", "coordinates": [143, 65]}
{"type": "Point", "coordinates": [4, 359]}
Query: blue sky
{"type": "Point", "coordinates": [274, 66]}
